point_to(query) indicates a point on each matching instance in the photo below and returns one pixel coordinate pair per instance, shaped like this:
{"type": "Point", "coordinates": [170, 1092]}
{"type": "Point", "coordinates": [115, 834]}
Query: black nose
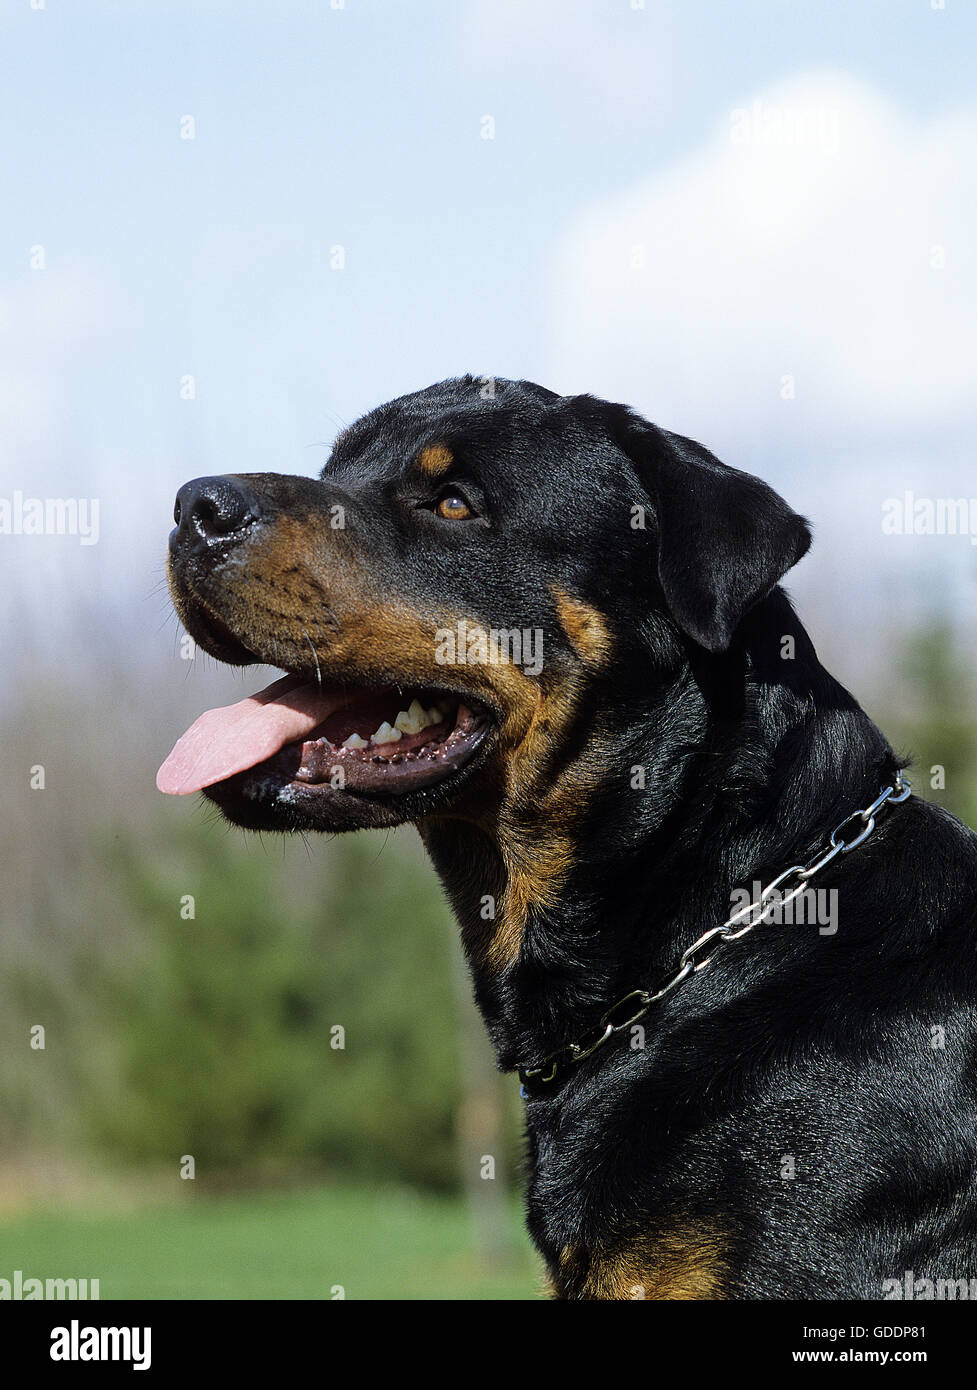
{"type": "Point", "coordinates": [213, 509]}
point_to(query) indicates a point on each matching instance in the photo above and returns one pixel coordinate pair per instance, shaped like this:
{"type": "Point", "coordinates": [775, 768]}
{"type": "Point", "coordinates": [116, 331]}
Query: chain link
{"type": "Point", "coordinates": [639, 1001]}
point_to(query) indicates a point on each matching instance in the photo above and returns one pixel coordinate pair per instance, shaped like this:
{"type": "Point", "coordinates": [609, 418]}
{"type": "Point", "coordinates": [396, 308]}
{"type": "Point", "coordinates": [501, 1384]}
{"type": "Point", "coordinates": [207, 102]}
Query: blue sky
{"type": "Point", "coordinates": [361, 127]}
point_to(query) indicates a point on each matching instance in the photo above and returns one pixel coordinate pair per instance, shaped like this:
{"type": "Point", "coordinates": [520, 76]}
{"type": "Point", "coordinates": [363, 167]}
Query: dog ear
{"type": "Point", "coordinates": [724, 537]}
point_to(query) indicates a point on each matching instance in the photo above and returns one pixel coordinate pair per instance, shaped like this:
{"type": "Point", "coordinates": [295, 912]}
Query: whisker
{"type": "Point", "coordinates": [315, 657]}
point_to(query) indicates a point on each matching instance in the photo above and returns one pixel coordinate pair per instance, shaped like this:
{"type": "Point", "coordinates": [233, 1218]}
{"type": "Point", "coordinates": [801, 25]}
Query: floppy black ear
{"type": "Point", "coordinates": [724, 537]}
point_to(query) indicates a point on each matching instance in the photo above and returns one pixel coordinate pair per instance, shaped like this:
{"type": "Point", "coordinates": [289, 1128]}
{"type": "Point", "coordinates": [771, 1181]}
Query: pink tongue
{"type": "Point", "coordinates": [224, 741]}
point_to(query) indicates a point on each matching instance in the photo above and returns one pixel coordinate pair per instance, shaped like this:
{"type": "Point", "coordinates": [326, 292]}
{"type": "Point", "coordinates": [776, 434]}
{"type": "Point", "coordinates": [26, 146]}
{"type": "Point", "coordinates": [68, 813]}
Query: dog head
{"type": "Point", "coordinates": [479, 579]}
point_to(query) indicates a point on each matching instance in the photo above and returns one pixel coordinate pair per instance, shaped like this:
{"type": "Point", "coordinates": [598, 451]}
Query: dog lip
{"type": "Point", "coordinates": [213, 634]}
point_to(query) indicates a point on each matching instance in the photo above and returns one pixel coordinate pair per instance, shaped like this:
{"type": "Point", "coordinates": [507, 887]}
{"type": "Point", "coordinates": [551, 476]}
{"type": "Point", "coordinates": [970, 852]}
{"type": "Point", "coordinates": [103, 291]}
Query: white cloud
{"type": "Point", "coordinates": [804, 239]}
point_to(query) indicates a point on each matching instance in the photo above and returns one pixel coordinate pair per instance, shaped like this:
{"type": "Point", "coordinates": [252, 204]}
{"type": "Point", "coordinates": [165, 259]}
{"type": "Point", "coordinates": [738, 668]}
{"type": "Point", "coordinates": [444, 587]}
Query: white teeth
{"type": "Point", "coordinates": [354, 741]}
{"type": "Point", "coordinates": [413, 720]}
{"type": "Point", "coordinates": [386, 734]}
{"type": "Point", "coordinates": [408, 721]}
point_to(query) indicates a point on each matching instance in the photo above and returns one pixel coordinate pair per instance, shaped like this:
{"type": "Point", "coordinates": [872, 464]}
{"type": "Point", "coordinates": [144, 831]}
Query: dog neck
{"type": "Point", "coordinates": [731, 768]}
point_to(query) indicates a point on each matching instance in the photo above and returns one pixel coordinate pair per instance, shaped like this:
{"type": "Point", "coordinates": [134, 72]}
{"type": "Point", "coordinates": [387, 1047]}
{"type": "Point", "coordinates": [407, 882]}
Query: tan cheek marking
{"type": "Point", "coordinates": [282, 604]}
{"type": "Point", "coordinates": [536, 827]}
{"type": "Point", "coordinates": [535, 821]}
{"type": "Point", "coordinates": [531, 826]}
{"type": "Point", "coordinates": [435, 459]}
{"type": "Point", "coordinates": [586, 628]}
{"type": "Point", "coordinates": [536, 876]}
{"type": "Point", "coordinates": [297, 602]}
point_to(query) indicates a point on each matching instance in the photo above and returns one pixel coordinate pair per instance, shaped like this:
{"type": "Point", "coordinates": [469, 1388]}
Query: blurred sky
{"type": "Point", "coordinates": [682, 205]}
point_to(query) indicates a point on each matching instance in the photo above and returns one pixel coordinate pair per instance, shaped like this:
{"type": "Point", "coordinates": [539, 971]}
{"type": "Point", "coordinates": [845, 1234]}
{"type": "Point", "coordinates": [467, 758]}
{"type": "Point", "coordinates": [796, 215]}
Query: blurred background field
{"type": "Point", "coordinates": [231, 229]}
{"type": "Point", "coordinates": [333, 1242]}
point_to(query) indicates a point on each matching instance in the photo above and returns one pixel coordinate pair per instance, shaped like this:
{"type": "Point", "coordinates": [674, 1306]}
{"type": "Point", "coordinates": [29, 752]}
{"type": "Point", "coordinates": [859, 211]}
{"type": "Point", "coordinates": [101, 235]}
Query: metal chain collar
{"type": "Point", "coordinates": [639, 1001]}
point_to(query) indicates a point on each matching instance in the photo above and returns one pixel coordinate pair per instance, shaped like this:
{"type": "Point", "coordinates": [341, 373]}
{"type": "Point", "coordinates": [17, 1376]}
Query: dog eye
{"type": "Point", "coordinates": [452, 507]}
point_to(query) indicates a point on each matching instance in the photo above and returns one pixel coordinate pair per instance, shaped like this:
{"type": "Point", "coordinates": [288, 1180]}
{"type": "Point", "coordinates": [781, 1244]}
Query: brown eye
{"type": "Point", "coordinates": [453, 508]}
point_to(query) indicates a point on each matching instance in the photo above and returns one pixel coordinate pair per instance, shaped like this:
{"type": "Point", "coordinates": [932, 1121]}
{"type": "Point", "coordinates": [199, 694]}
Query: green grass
{"type": "Point", "coordinates": [387, 1245]}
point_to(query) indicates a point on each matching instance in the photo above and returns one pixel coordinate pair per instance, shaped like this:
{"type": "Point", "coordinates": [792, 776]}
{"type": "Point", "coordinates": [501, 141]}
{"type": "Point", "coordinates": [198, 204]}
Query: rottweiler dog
{"type": "Point", "coordinates": [551, 635]}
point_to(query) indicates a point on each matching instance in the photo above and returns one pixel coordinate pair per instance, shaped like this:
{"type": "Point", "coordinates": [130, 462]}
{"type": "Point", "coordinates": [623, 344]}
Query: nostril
{"type": "Point", "coordinates": [212, 508]}
{"type": "Point", "coordinates": [220, 509]}
{"type": "Point", "coordinates": [216, 518]}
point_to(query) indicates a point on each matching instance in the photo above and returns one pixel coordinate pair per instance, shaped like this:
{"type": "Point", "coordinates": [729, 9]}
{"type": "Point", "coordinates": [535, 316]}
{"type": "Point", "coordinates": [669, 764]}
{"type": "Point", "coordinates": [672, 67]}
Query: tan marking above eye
{"type": "Point", "coordinates": [435, 459]}
{"type": "Point", "coordinates": [453, 508]}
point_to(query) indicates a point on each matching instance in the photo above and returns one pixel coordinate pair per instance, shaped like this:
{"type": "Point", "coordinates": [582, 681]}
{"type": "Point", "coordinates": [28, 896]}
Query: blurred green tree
{"type": "Point", "coordinates": [273, 1027]}
{"type": "Point", "coordinates": [935, 720]}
